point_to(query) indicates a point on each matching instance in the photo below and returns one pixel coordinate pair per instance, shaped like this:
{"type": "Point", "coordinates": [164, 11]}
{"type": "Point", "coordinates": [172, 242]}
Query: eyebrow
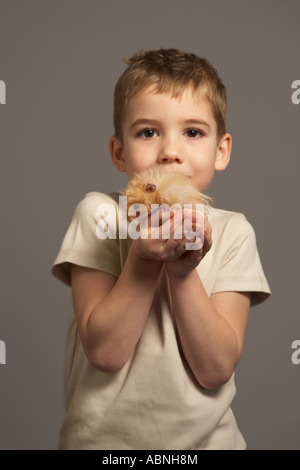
{"type": "Point", "coordinates": [154, 122]}
{"type": "Point", "coordinates": [200, 122]}
{"type": "Point", "coordinates": [145, 122]}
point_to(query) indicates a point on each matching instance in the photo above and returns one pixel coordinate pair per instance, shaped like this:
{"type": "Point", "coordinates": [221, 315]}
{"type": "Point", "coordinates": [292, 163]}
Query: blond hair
{"type": "Point", "coordinates": [170, 71]}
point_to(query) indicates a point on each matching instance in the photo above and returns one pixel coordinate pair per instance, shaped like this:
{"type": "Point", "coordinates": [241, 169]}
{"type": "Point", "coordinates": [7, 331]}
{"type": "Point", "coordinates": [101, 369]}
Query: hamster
{"type": "Point", "coordinates": [155, 187]}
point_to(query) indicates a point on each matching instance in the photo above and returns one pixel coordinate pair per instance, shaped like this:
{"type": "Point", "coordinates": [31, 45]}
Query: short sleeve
{"type": "Point", "coordinates": [240, 268]}
{"type": "Point", "coordinates": [82, 246]}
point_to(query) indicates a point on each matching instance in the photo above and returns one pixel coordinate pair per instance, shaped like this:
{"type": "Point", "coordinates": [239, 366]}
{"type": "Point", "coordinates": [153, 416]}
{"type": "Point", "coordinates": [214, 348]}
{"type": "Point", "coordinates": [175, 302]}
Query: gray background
{"type": "Point", "coordinates": [60, 61]}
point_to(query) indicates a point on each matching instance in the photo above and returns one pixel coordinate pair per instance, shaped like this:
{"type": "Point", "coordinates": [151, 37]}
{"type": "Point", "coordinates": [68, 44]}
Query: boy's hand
{"type": "Point", "coordinates": [156, 248]}
{"type": "Point", "coordinates": [190, 259]}
{"type": "Point", "coordinates": [169, 237]}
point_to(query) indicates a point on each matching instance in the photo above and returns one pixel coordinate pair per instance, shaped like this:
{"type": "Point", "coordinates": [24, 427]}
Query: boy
{"type": "Point", "coordinates": [159, 330]}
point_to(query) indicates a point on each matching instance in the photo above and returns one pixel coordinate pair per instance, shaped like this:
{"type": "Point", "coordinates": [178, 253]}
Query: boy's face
{"type": "Point", "coordinates": [173, 134]}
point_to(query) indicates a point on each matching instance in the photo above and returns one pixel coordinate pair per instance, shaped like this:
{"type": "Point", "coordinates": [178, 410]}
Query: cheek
{"type": "Point", "coordinates": [138, 158]}
{"type": "Point", "coordinates": [135, 166]}
{"type": "Point", "coordinates": [204, 173]}
{"type": "Point", "coordinates": [204, 179]}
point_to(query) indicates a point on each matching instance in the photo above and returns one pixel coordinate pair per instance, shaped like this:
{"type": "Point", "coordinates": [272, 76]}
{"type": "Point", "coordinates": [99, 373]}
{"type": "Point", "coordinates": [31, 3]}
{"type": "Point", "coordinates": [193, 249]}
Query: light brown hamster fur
{"type": "Point", "coordinates": [155, 187]}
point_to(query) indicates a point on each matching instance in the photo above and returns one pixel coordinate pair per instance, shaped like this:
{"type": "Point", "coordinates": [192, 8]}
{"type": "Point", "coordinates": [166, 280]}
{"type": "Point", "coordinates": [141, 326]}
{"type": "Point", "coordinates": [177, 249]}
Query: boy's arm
{"type": "Point", "coordinates": [111, 312]}
{"type": "Point", "coordinates": [211, 330]}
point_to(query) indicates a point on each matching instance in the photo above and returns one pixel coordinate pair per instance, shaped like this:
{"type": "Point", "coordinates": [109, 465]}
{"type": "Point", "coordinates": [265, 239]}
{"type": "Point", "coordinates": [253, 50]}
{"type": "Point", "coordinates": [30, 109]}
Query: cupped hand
{"type": "Point", "coordinates": [180, 238]}
{"type": "Point", "coordinates": [195, 249]}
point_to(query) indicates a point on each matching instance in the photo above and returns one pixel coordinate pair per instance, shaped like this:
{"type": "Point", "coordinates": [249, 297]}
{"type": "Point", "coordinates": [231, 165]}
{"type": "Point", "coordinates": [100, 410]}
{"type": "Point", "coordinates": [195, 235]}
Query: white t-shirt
{"type": "Point", "coordinates": [154, 402]}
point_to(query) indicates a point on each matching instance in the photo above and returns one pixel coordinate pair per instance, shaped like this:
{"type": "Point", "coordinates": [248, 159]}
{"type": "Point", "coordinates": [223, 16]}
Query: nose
{"type": "Point", "coordinates": [170, 152]}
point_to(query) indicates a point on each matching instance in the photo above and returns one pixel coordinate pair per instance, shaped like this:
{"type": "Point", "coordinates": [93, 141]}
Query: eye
{"type": "Point", "coordinates": [147, 133]}
{"type": "Point", "coordinates": [194, 133]}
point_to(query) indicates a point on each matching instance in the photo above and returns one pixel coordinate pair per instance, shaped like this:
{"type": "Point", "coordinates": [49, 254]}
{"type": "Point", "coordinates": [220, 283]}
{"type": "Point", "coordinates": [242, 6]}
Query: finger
{"type": "Point", "coordinates": [194, 230]}
{"type": "Point", "coordinates": [172, 225]}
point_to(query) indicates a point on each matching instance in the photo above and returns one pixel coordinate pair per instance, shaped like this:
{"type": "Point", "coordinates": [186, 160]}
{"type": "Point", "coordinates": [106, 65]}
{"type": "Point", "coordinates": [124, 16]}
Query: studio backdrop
{"type": "Point", "coordinates": [59, 62]}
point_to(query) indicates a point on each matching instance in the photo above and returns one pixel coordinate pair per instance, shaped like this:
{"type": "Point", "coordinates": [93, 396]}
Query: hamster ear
{"type": "Point", "coordinates": [117, 153]}
{"type": "Point", "coordinates": [223, 152]}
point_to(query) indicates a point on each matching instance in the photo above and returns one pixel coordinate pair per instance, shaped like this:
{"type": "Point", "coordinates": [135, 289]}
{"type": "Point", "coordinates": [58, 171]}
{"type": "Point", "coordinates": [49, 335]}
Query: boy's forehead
{"type": "Point", "coordinates": [171, 93]}
{"type": "Point", "coordinates": [152, 96]}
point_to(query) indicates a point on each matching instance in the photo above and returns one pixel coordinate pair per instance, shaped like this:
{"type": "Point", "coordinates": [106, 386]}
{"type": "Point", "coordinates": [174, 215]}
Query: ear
{"type": "Point", "coordinates": [223, 152]}
{"type": "Point", "coordinates": [117, 153]}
